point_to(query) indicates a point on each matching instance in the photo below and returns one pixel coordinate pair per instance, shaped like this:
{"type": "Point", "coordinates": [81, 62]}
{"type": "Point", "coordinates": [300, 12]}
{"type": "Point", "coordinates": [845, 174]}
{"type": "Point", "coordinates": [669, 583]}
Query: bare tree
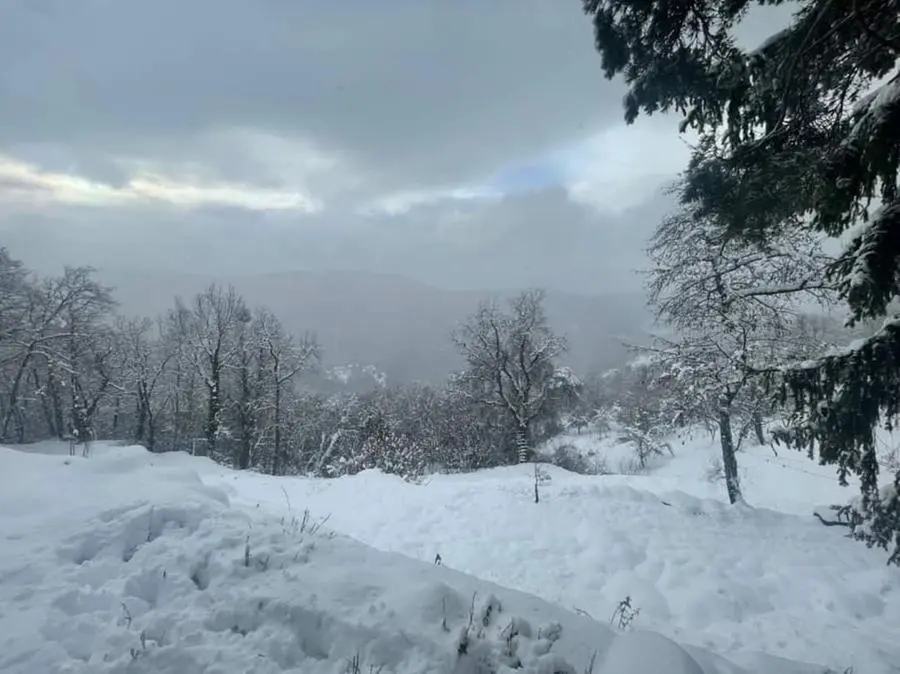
{"type": "Point", "coordinates": [180, 385]}
{"type": "Point", "coordinates": [90, 357]}
{"type": "Point", "coordinates": [283, 359]}
{"type": "Point", "coordinates": [14, 291]}
{"type": "Point", "coordinates": [61, 351]}
{"type": "Point", "coordinates": [732, 307]}
{"type": "Point", "coordinates": [16, 297]}
{"type": "Point", "coordinates": [510, 358]}
{"type": "Point", "coordinates": [249, 401]}
{"type": "Point", "coordinates": [212, 335]}
{"type": "Point", "coordinates": [147, 356]}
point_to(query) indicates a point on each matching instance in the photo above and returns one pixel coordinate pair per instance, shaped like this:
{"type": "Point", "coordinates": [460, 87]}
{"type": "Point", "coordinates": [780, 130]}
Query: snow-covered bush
{"type": "Point", "coordinates": [567, 457]}
{"type": "Point", "coordinates": [625, 614]}
{"type": "Point", "coordinates": [639, 409]}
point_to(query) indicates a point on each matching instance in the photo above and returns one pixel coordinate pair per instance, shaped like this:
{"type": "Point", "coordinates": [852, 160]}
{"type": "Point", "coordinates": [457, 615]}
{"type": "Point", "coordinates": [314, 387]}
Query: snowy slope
{"type": "Point", "coordinates": [128, 562]}
{"type": "Point", "coordinates": [98, 551]}
{"type": "Point", "coordinates": [739, 582]}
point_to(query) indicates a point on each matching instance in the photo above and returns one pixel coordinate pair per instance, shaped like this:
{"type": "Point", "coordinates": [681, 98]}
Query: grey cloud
{"type": "Point", "coordinates": [545, 239]}
{"type": "Point", "coordinates": [535, 239]}
{"type": "Point", "coordinates": [426, 91]}
{"type": "Point", "coordinates": [415, 93]}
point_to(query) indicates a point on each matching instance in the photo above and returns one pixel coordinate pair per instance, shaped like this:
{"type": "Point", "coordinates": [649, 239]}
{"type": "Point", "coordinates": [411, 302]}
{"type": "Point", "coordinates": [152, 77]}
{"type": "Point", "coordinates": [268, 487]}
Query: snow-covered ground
{"type": "Point", "coordinates": [131, 562]}
{"type": "Point", "coordinates": [780, 479]}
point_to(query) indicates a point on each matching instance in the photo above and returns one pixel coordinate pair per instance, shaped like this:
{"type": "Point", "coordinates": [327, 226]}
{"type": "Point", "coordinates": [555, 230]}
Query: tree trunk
{"type": "Point", "coordinates": [213, 411]}
{"type": "Point", "coordinates": [277, 448]}
{"type": "Point", "coordinates": [21, 426]}
{"type": "Point", "coordinates": [191, 407]}
{"type": "Point", "coordinates": [45, 408]}
{"type": "Point", "coordinates": [117, 411]}
{"type": "Point", "coordinates": [212, 422]}
{"type": "Point", "coordinates": [245, 452]}
{"type": "Point", "coordinates": [140, 423]}
{"type": "Point", "coordinates": [14, 393]}
{"type": "Point", "coordinates": [151, 430]}
{"type": "Point", "coordinates": [758, 428]}
{"type": "Point", "coordinates": [53, 407]}
{"type": "Point", "coordinates": [245, 418]}
{"type": "Point", "coordinates": [177, 421]}
{"type": "Point", "coordinates": [523, 443]}
{"type": "Point", "coordinates": [729, 460]}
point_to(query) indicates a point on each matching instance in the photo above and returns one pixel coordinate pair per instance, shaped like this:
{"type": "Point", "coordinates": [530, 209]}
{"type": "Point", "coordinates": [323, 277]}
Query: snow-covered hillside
{"type": "Point", "coordinates": [132, 562]}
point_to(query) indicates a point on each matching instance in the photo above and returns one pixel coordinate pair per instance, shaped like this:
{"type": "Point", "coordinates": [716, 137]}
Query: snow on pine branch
{"type": "Point", "coordinates": [869, 265]}
{"type": "Point", "coordinates": [873, 110]}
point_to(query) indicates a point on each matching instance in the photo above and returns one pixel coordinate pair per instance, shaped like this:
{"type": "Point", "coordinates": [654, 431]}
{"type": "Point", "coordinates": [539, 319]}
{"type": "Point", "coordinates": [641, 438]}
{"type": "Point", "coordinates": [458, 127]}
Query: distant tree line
{"type": "Point", "coordinates": [216, 377]}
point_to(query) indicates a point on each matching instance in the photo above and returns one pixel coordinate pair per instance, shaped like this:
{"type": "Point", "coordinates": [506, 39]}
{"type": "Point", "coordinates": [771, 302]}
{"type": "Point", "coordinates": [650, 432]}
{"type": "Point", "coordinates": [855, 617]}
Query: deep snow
{"type": "Point", "coordinates": [97, 552]}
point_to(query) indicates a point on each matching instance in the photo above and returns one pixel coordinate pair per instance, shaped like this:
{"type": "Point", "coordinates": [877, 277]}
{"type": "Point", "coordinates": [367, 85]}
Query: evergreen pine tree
{"type": "Point", "coordinates": [802, 132]}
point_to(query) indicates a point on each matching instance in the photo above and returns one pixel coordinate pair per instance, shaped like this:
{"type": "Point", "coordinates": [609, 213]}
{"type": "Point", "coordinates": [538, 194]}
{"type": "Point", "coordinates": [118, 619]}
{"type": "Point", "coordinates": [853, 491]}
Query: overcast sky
{"type": "Point", "coordinates": [465, 143]}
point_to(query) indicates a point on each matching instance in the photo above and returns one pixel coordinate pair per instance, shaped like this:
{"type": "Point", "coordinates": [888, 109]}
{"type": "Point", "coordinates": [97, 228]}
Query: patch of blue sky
{"type": "Point", "coordinates": [527, 177]}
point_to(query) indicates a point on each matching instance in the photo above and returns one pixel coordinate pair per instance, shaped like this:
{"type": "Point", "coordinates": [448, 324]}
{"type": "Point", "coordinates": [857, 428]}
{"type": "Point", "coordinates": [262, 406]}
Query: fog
{"type": "Point", "coordinates": [400, 326]}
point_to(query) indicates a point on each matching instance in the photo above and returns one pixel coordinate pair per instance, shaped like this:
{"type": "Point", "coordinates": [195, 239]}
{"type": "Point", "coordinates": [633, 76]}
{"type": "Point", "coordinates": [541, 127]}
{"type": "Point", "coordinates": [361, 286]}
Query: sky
{"type": "Point", "coordinates": [464, 143]}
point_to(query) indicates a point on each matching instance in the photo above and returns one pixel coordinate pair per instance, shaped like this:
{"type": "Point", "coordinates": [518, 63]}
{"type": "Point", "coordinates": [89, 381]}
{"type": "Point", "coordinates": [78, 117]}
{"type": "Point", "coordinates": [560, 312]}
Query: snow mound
{"type": "Point", "coordinates": [648, 653]}
{"type": "Point", "coordinates": [128, 562]}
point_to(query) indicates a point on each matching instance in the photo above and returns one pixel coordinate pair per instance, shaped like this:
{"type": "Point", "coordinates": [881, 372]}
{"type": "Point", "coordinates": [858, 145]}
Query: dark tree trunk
{"type": "Point", "coordinates": [117, 411]}
{"type": "Point", "coordinates": [244, 456]}
{"type": "Point", "coordinates": [729, 460]}
{"type": "Point", "coordinates": [758, 428]}
{"type": "Point", "coordinates": [245, 415]}
{"type": "Point", "coordinates": [277, 449]}
{"type": "Point", "coordinates": [13, 409]}
{"type": "Point", "coordinates": [151, 431]}
{"type": "Point", "coordinates": [141, 421]}
{"type": "Point", "coordinates": [53, 408]}
{"type": "Point", "coordinates": [191, 415]}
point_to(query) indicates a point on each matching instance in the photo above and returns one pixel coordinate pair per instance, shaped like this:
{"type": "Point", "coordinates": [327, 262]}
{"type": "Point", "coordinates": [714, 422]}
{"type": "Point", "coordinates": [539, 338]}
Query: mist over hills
{"type": "Point", "coordinates": [396, 324]}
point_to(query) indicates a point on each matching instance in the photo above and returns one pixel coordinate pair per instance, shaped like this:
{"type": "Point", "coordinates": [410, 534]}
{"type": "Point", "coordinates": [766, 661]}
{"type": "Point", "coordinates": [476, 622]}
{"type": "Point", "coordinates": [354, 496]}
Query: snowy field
{"type": "Point", "coordinates": [131, 562]}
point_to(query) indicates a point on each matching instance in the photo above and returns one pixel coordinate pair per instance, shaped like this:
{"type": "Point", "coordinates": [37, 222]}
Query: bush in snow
{"type": "Point", "coordinates": [625, 614]}
{"type": "Point", "coordinates": [493, 642]}
{"type": "Point", "coordinates": [640, 422]}
{"type": "Point", "coordinates": [354, 666]}
{"type": "Point", "coordinates": [640, 411]}
{"type": "Point", "coordinates": [381, 446]}
{"type": "Point", "coordinates": [567, 457]}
